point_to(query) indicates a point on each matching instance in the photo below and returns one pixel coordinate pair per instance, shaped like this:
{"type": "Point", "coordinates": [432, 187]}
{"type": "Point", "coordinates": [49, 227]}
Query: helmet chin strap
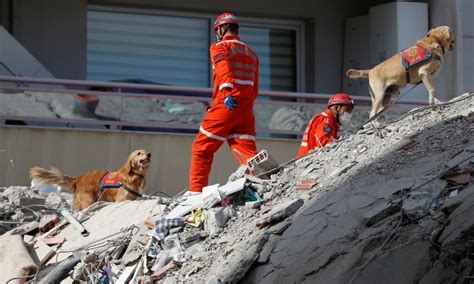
{"type": "Point", "coordinates": [221, 36]}
{"type": "Point", "coordinates": [338, 115]}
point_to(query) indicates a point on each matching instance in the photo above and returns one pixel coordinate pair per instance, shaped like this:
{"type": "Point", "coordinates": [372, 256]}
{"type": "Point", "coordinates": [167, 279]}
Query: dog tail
{"type": "Point", "coordinates": [52, 176]}
{"type": "Point", "coordinates": [354, 74]}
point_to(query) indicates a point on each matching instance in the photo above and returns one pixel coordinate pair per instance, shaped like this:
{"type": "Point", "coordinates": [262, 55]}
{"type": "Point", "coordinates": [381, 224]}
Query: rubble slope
{"type": "Point", "coordinates": [380, 211]}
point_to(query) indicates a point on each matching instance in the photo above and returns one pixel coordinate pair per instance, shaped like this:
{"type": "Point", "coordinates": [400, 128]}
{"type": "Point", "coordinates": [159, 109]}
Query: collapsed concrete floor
{"type": "Point", "coordinates": [393, 204]}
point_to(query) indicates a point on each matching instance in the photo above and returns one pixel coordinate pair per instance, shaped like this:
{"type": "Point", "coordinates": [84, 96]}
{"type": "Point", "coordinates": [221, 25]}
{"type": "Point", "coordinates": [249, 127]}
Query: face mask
{"type": "Point", "coordinates": [346, 118]}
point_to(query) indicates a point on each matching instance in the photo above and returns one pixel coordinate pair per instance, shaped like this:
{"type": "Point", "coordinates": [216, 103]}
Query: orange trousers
{"type": "Point", "coordinates": [220, 124]}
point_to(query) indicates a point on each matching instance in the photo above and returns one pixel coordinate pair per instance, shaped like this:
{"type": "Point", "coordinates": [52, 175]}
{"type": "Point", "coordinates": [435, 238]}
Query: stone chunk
{"type": "Point", "coordinates": [237, 263]}
{"type": "Point", "coordinates": [47, 222]}
{"type": "Point", "coordinates": [380, 212]}
{"type": "Point", "coordinates": [453, 203]}
{"type": "Point", "coordinates": [279, 213]}
{"type": "Point", "coordinates": [459, 158]}
{"type": "Point", "coordinates": [22, 196]}
{"type": "Point", "coordinates": [306, 184]}
{"type": "Point", "coordinates": [267, 249]}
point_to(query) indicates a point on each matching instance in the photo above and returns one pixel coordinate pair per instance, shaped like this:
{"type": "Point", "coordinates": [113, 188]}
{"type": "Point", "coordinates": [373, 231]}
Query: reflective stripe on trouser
{"type": "Point", "coordinates": [219, 124]}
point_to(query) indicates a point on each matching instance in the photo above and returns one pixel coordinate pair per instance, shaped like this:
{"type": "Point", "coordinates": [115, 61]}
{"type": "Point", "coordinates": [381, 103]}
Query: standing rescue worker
{"type": "Point", "coordinates": [231, 117]}
{"type": "Point", "coordinates": [324, 127]}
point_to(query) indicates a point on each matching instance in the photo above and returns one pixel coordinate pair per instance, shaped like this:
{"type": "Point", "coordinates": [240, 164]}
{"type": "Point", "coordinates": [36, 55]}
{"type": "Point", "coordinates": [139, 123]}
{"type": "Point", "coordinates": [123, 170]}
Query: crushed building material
{"type": "Point", "coordinates": [16, 263]}
{"type": "Point", "coordinates": [379, 212]}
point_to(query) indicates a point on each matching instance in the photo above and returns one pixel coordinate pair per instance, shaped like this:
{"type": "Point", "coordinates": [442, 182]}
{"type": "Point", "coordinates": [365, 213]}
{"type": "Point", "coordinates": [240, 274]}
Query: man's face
{"type": "Point", "coordinates": [346, 108]}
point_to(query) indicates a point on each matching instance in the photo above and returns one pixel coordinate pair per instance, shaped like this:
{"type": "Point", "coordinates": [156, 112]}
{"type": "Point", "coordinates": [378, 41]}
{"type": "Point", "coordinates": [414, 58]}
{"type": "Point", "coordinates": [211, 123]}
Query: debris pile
{"type": "Point", "coordinates": [387, 204]}
{"type": "Point", "coordinates": [21, 205]}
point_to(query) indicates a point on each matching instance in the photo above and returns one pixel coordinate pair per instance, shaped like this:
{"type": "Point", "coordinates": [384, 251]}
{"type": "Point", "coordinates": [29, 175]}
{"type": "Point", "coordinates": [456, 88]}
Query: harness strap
{"type": "Point", "coordinates": [407, 73]}
{"type": "Point", "coordinates": [133, 192]}
{"type": "Point", "coordinates": [407, 67]}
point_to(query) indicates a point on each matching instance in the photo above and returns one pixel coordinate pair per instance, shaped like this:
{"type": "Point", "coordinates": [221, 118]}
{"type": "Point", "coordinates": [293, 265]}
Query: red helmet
{"type": "Point", "coordinates": [341, 99]}
{"type": "Point", "coordinates": [225, 18]}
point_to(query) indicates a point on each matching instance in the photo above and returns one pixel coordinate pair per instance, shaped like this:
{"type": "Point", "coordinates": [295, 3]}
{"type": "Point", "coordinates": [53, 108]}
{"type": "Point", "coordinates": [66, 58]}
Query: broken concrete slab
{"type": "Point", "coordinates": [279, 213]}
{"type": "Point", "coordinates": [232, 187]}
{"type": "Point", "coordinates": [108, 222]}
{"type": "Point", "coordinates": [25, 228]}
{"type": "Point", "coordinates": [267, 249]}
{"type": "Point", "coordinates": [458, 223]}
{"type": "Point", "coordinates": [42, 252]}
{"type": "Point", "coordinates": [47, 222]}
{"type": "Point", "coordinates": [452, 203]}
{"type": "Point", "coordinates": [279, 228]}
{"type": "Point", "coordinates": [15, 261]}
{"type": "Point", "coordinates": [22, 196]}
{"type": "Point", "coordinates": [459, 159]}
{"type": "Point", "coordinates": [380, 212]}
{"type": "Point", "coordinates": [243, 254]}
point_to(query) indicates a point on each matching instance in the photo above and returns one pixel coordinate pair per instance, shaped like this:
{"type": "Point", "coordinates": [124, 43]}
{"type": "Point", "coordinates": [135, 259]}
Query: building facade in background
{"type": "Point", "coordinates": [304, 47]}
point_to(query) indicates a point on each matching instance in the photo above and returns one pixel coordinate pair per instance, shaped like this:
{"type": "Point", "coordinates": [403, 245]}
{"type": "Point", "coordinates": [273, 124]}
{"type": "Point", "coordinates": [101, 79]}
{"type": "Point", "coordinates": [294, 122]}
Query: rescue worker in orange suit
{"type": "Point", "coordinates": [231, 117]}
{"type": "Point", "coordinates": [324, 127]}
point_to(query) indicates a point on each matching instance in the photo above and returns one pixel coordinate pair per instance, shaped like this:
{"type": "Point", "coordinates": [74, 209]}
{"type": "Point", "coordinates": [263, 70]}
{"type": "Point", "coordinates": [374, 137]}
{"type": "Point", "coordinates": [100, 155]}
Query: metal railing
{"type": "Point", "coordinates": [285, 99]}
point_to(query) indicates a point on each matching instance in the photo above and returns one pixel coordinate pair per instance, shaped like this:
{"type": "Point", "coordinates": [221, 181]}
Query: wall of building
{"type": "Point", "coordinates": [78, 151]}
{"type": "Point", "coordinates": [54, 31]}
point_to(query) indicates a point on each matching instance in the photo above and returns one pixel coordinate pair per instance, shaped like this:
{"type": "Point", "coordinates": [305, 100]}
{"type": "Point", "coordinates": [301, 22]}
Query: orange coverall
{"type": "Point", "coordinates": [235, 74]}
{"type": "Point", "coordinates": [321, 130]}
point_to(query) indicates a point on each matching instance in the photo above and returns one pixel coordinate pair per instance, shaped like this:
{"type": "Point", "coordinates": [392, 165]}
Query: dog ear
{"type": "Point", "coordinates": [447, 34]}
{"type": "Point", "coordinates": [128, 166]}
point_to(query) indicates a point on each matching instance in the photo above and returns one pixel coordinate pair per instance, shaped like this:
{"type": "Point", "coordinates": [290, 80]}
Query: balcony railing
{"type": "Point", "coordinates": [268, 103]}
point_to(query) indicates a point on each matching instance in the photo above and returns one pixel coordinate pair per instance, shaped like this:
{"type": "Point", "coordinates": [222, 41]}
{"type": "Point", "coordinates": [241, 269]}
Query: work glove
{"type": "Point", "coordinates": [230, 102]}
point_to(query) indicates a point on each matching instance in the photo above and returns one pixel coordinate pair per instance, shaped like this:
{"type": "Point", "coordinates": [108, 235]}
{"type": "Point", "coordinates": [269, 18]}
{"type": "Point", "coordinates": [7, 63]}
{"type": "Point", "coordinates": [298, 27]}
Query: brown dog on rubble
{"type": "Point", "coordinates": [127, 183]}
{"type": "Point", "coordinates": [421, 62]}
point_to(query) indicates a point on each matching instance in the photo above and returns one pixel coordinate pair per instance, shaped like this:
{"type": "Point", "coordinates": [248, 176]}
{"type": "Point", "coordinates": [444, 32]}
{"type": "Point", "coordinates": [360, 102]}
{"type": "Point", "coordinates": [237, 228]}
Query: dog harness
{"type": "Point", "coordinates": [112, 180]}
{"type": "Point", "coordinates": [415, 55]}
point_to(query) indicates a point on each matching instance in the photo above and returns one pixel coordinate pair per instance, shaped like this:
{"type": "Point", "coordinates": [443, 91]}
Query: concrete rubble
{"type": "Point", "coordinates": [374, 207]}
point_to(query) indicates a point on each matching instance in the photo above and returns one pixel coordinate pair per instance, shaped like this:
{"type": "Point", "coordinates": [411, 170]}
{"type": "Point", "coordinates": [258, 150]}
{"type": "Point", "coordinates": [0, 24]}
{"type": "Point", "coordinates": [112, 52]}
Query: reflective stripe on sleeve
{"type": "Point", "coordinates": [243, 82]}
{"type": "Point", "coordinates": [225, 85]}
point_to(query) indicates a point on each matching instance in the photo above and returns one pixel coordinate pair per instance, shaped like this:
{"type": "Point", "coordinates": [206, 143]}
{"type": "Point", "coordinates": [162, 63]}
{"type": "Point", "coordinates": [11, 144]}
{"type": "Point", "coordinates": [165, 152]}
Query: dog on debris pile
{"type": "Point", "coordinates": [420, 63]}
{"type": "Point", "coordinates": [127, 183]}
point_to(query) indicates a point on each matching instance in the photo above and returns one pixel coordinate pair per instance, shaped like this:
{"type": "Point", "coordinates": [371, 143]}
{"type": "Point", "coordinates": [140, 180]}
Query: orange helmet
{"type": "Point", "coordinates": [225, 18]}
{"type": "Point", "coordinates": [341, 99]}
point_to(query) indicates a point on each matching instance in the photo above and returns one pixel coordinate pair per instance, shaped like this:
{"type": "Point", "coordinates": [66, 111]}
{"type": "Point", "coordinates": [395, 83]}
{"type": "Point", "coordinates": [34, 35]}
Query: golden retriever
{"type": "Point", "coordinates": [387, 78]}
{"type": "Point", "coordinates": [87, 188]}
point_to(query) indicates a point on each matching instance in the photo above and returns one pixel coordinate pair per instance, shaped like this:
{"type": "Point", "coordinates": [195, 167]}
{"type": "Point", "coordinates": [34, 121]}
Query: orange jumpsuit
{"type": "Point", "coordinates": [235, 73]}
{"type": "Point", "coordinates": [321, 130]}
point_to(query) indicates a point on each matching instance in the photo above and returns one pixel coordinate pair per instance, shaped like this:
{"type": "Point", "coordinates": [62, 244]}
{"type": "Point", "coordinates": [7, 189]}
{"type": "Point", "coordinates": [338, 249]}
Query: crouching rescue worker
{"type": "Point", "coordinates": [324, 127]}
{"type": "Point", "coordinates": [231, 117]}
